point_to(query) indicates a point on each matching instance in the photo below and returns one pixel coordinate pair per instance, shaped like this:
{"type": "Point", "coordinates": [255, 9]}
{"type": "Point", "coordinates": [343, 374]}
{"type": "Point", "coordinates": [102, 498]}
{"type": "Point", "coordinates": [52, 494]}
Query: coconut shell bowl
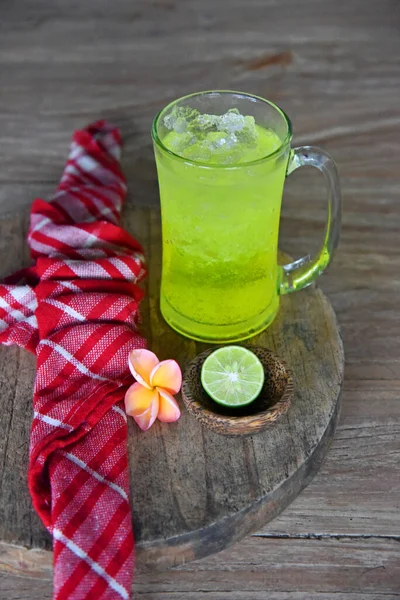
{"type": "Point", "coordinates": [273, 401]}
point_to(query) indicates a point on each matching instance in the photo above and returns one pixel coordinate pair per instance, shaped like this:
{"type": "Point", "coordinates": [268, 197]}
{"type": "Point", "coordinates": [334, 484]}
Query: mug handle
{"type": "Point", "coordinates": [302, 272]}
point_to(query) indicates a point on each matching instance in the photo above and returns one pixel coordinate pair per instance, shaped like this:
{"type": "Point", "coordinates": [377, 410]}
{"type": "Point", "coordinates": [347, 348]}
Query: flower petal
{"type": "Point", "coordinates": [167, 375]}
{"type": "Point", "coordinates": [141, 363]}
{"type": "Point", "coordinates": [168, 410]}
{"type": "Point", "coordinates": [146, 419]}
{"type": "Point", "coordinates": [139, 399]}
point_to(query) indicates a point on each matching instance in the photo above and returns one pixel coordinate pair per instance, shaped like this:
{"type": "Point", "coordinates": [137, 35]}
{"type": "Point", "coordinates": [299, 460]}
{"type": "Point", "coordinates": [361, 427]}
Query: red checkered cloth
{"type": "Point", "coordinates": [77, 310]}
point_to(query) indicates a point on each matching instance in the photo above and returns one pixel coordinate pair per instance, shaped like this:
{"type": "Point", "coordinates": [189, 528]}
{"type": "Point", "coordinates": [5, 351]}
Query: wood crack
{"type": "Point", "coordinates": [326, 536]}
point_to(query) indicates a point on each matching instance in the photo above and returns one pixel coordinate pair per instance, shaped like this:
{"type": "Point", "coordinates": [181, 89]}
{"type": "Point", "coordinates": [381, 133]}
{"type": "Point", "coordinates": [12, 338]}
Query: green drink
{"type": "Point", "coordinates": [221, 178]}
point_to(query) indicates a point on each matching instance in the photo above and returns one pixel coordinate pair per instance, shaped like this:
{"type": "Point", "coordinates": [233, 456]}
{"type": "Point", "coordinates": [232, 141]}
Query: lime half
{"type": "Point", "coordinates": [232, 376]}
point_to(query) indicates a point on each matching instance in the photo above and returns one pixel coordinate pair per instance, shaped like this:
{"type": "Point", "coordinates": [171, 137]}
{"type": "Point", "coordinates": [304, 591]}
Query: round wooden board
{"type": "Point", "coordinates": [194, 492]}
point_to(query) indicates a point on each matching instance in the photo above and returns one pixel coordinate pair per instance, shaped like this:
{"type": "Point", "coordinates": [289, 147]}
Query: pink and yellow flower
{"type": "Point", "coordinates": [151, 397]}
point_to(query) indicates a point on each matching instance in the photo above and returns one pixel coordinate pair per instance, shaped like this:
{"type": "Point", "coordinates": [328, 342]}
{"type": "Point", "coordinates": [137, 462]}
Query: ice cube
{"type": "Point", "coordinates": [231, 141]}
{"type": "Point", "coordinates": [219, 143]}
{"type": "Point", "coordinates": [200, 151]}
{"type": "Point", "coordinates": [248, 134]}
{"type": "Point", "coordinates": [230, 122]}
{"type": "Point", "coordinates": [216, 139]}
{"type": "Point", "coordinates": [169, 121]}
{"type": "Point", "coordinates": [179, 118]}
{"type": "Point", "coordinates": [203, 124]}
{"type": "Point", "coordinates": [219, 147]}
{"type": "Point", "coordinates": [180, 125]}
{"type": "Point", "coordinates": [177, 142]}
{"type": "Point", "coordinates": [175, 122]}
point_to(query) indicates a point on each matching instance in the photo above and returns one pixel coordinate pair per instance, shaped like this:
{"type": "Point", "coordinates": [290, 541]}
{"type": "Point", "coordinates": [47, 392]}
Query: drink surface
{"type": "Point", "coordinates": [228, 139]}
{"type": "Point", "coordinates": [220, 226]}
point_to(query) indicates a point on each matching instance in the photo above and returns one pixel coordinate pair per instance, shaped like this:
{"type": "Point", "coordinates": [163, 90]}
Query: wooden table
{"type": "Point", "coordinates": [334, 68]}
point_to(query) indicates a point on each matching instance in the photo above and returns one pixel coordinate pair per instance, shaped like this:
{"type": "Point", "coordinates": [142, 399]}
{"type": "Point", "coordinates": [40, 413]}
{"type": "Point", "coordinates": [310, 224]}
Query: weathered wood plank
{"type": "Point", "coordinates": [358, 489]}
{"type": "Point", "coordinates": [334, 569]}
{"type": "Point", "coordinates": [338, 566]}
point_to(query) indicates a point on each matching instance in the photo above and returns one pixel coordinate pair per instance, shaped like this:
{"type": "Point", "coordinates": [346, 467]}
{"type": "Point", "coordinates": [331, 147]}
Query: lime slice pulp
{"type": "Point", "coordinates": [232, 376]}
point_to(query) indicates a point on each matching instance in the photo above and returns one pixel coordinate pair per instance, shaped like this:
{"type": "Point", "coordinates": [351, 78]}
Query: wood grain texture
{"type": "Point", "coordinates": [334, 569]}
{"type": "Point", "coordinates": [334, 67]}
{"type": "Point", "coordinates": [193, 492]}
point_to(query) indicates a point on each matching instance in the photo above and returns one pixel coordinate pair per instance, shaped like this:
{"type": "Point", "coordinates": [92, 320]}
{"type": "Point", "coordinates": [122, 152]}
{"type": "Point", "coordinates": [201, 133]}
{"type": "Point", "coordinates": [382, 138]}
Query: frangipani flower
{"type": "Point", "coordinates": [151, 397]}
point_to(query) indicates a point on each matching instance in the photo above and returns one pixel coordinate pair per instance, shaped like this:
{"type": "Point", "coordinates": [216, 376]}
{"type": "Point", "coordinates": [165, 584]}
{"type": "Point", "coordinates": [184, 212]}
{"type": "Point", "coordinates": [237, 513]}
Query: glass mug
{"type": "Point", "coordinates": [221, 281]}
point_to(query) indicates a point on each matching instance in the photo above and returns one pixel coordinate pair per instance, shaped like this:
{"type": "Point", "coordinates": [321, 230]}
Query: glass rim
{"type": "Point", "coordinates": [267, 157]}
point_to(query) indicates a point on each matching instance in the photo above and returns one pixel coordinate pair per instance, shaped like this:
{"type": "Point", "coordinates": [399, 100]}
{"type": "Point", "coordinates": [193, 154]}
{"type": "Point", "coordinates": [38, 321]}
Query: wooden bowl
{"type": "Point", "coordinates": [273, 401]}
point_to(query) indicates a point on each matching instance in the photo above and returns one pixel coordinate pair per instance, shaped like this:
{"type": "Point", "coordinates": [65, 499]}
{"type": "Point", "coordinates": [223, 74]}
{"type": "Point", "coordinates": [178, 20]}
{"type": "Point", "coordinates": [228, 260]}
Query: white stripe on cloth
{"type": "Point", "coordinates": [75, 549]}
{"type": "Point", "coordinates": [119, 410]}
{"type": "Point", "coordinates": [50, 271]}
{"type": "Point", "coordinates": [32, 321]}
{"type": "Point", "coordinates": [65, 308]}
{"type": "Point", "coordinates": [51, 421]}
{"type": "Point", "coordinates": [91, 240]}
{"type": "Point", "coordinates": [96, 475]}
{"type": "Point", "coordinates": [123, 268]}
{"type": "Point", "coordinates": [111, 144]}
{"type": "Point", "coordinates": [87, 163]}
{"type": "Point", "coordinates": [89, 271]}
{"type": "Point", "coordinates": [4, 325]}
{"type": "Point", "coordinates": [41, 224]}
{"type": "Point", "coordinates": [70, 286]}
{"type": "Point", "coordinates": [71, 170]}
{"type": "Point", "coordinates": [76, 152]}
{"type": "Point", "coordinates": [70, 358]}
